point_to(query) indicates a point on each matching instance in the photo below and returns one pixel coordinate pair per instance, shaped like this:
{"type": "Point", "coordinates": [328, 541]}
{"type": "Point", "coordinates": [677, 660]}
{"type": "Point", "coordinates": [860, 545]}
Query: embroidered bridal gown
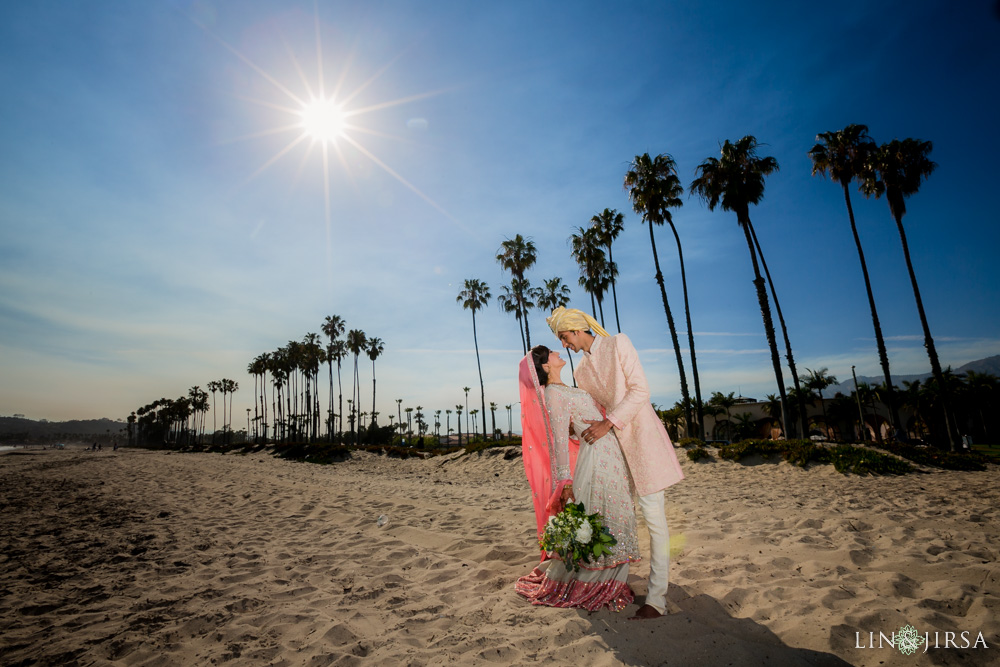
{"type": "Point", "coordinates": [601, 483]}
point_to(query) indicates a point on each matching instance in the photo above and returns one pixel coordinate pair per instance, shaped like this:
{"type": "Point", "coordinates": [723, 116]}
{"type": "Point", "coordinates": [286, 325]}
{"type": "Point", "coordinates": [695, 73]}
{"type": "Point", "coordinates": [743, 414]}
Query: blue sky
{"type": "Point", "coordinates": [156, 234]}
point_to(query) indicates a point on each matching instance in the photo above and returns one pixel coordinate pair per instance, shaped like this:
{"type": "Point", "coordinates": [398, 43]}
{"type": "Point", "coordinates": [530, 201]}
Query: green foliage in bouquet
{"type": "Point", "coordinates": [577, 536]}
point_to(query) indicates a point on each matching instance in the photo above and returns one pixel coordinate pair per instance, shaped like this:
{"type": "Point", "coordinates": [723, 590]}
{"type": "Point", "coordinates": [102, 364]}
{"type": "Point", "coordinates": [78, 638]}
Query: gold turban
{"type": "Point", "coordinates": [571, 319]}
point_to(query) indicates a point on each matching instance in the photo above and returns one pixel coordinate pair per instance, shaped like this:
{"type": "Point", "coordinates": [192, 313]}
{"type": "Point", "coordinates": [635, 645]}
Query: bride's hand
{"type": "Point", "coordinates": [567, 495]}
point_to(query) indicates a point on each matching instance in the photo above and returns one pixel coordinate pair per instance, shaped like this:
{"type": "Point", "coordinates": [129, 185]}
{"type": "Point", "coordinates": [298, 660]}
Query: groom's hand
{"type": "Point", "coordinates": [598, 429]}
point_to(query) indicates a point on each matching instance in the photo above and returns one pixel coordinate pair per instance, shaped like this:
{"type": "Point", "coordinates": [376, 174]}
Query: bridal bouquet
{"type": "Point", "coordinates": [576, 535]}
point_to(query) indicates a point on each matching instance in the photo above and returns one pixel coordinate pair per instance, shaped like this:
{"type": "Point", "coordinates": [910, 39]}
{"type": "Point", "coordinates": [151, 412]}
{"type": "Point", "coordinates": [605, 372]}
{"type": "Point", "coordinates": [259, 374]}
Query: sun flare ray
{"type": "Point", "coordinates": [389, 170]}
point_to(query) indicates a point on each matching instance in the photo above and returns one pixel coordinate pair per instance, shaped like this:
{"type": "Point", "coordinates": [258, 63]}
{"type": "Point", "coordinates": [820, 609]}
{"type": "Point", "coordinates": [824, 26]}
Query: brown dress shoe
{"type": "Point", "coordinates": [645, 611]}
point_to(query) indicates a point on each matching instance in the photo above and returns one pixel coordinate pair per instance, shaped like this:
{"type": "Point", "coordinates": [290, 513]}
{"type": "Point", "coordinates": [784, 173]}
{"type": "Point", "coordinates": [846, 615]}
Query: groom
{"type": "Point", "coordinates": [611, 373]}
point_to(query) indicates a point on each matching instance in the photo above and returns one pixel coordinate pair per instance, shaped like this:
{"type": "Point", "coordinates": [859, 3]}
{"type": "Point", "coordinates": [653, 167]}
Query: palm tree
{"type": "Point", "coordinates": [474, 297]}
{"type": "Point", "coordinates": [338, 352]}
{"type": "Point", "coordinates": [375, 348]}
{"type": "Point", "coordinates": [553, 295]}
{"type": "Point", "coordinates": [227, 386]}
{"type": "Point", "coordinates": [784, 331]}
{"type": "Point", "coordinates": [509, 423]}
{"type": "Point", "coordinates": [844, 154]}
{"type": "Point", "coordinates": [984, 390]}
{"type": "Point", "coordinates": [745, 425]}
{"type": "Point", "coordinates": [333, 327]}
{"type": "Point", "coordinates": [468, 431]}
{"type": "Point", "coordinates": [356, 343]}
{"type": "Point", "coordinates": [513, 298]}
{"type": "Point", "coordinates": [213, 386]}
{"type": "Point", "coordinates": [817, 381]}
{"type": "Point", "coordinates": [736, 181]}
{"type": "Point", "coordinates": [724, 402]}
{"type": "Point", "coordinates": [609, 224]}
{"type": "Point", "coordinates": [458, 421]}
{"type": "Point", "coordinates": [595, 272]}
{"type": "Point", "coordinates": [257, 368]}
{"type": "Point", "coordinates": [447, 428]}
{"type": "Point", "coordinates": [654, 189]}
{"type": "Point", "coordinates": [419, 416]}
{"type": "Point", "coordinates": [897, 169]}
{"type": "Point", "coordinates": [713, 411]}
{"type": "Point", "coordinates": [313, 356]}
{"type": "Point", "coordinates": [198, 399]}
{"type": "Point", "coordinates": [493, 419]}
{"type": "Point", "coordinates": [516, 256]}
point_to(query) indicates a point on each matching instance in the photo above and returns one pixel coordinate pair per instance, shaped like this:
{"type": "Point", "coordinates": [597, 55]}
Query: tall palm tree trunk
{"type": "Point", "coordinates": [373, 394]}
{"type": "Point", "coordinates": [340, 398]}
{"type": "Point", "coordinates": [614, 298]}
{"type": "Point", "coordinates": [482, 387]}
{"type": "Point", "coordinates": [883, 356]}
{"type": "Point", "coordinates": [527, 331]}
{"type": "Point", "coordinates": [784, 332]}
{"type": "Point", "coordinates": [687, 313]}
{"type": "Point", "coordinates": [330, 419]}
{"type": "Point", "coordinates": [256, 421]}
{"type": "Point", "coordinates": [673, 333]}
{"type": "Point", "coordinates": [928, 340]}
{"type": "Point", "coordinates": [765, 313]}
{"type": "Point", "coordinates": [356, 395]}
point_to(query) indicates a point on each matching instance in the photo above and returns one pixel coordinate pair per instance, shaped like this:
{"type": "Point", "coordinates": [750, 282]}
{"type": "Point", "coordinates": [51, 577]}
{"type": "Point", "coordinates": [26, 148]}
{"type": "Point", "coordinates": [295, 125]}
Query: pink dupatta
{"type": "Point", "coordinates": [536, 445]}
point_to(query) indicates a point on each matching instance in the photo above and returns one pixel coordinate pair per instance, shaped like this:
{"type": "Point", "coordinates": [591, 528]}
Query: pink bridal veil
{"type": "Point", "coordinates": [536, 443]}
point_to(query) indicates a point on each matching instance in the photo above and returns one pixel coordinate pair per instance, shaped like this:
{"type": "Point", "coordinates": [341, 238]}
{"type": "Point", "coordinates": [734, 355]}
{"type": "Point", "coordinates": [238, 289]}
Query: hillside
{"type": "Point", "coordinates": [17, 429]}
{"type": "Point", "coordinates": [990, 365]}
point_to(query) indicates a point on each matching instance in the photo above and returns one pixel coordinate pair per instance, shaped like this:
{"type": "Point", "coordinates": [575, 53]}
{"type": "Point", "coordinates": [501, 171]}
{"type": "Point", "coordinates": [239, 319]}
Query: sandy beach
{"type": "Point", "coordinates": [154, 558]}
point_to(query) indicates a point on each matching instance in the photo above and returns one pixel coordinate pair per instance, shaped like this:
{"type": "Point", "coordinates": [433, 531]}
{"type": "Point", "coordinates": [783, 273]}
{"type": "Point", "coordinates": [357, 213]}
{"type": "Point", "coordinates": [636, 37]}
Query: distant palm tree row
{"type": "Point", "coordinates": [182, 420]}
{"type": "Point", "coordinates": [294, 382]}
{"type": "Point", "coordinates": [733, 181]}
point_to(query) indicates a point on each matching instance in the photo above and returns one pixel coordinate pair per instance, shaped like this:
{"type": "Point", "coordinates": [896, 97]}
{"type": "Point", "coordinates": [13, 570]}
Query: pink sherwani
{"type": "Point", "coordinates": [612, 374]}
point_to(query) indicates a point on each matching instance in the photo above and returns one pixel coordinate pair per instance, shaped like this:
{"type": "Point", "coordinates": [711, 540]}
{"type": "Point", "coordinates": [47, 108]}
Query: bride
{"type": "Point", "coordinates": [551, 414]}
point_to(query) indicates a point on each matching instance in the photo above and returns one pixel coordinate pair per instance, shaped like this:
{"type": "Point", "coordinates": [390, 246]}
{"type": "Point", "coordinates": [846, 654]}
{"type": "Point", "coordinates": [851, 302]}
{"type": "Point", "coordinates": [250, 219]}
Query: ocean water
{"type": "Point", "coordinates": [4, 448]}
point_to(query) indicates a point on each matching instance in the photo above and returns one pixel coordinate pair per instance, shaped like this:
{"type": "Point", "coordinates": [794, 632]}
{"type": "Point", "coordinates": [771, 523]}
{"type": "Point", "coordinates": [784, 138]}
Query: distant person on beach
{"type": "Point", "coordinates": [552, 413]}
{"type": "Point", "coordinates": [611, 372]}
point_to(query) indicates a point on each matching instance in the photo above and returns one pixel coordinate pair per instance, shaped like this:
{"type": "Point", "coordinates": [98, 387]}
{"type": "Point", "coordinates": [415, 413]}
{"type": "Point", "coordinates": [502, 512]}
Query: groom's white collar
{"type": "Point", "coordinates": [597, 339]}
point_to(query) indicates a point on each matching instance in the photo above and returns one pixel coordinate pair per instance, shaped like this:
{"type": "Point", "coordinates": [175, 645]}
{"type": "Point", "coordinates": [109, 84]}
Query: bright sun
{"type": "Point", "coordinates": [323, 120]}
{"type": "Point", "coordinates": [329, 121]}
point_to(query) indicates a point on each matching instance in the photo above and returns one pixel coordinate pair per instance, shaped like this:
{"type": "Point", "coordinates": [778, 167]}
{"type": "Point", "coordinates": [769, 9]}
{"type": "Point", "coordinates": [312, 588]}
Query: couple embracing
{"type": "Point", "coordinates": [622, 447]}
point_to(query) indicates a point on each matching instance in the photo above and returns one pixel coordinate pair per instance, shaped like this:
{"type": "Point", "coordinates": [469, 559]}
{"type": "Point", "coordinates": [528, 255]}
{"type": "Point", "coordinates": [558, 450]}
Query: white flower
{"type": "Point", "coordinates": [551, 522]}
{"type": "Point", "coordinates": [584, 533]}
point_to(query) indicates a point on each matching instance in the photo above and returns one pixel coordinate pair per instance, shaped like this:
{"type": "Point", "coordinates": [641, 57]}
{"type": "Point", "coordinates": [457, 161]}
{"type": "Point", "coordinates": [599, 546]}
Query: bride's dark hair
{"type": "Point", "coordinates": [540, 355]}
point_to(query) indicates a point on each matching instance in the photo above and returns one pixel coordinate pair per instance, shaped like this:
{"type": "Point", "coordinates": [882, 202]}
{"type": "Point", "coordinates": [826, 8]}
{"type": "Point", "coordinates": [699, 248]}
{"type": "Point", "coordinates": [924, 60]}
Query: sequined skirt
{"type": "Point", "coordinates": [584, 589]}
